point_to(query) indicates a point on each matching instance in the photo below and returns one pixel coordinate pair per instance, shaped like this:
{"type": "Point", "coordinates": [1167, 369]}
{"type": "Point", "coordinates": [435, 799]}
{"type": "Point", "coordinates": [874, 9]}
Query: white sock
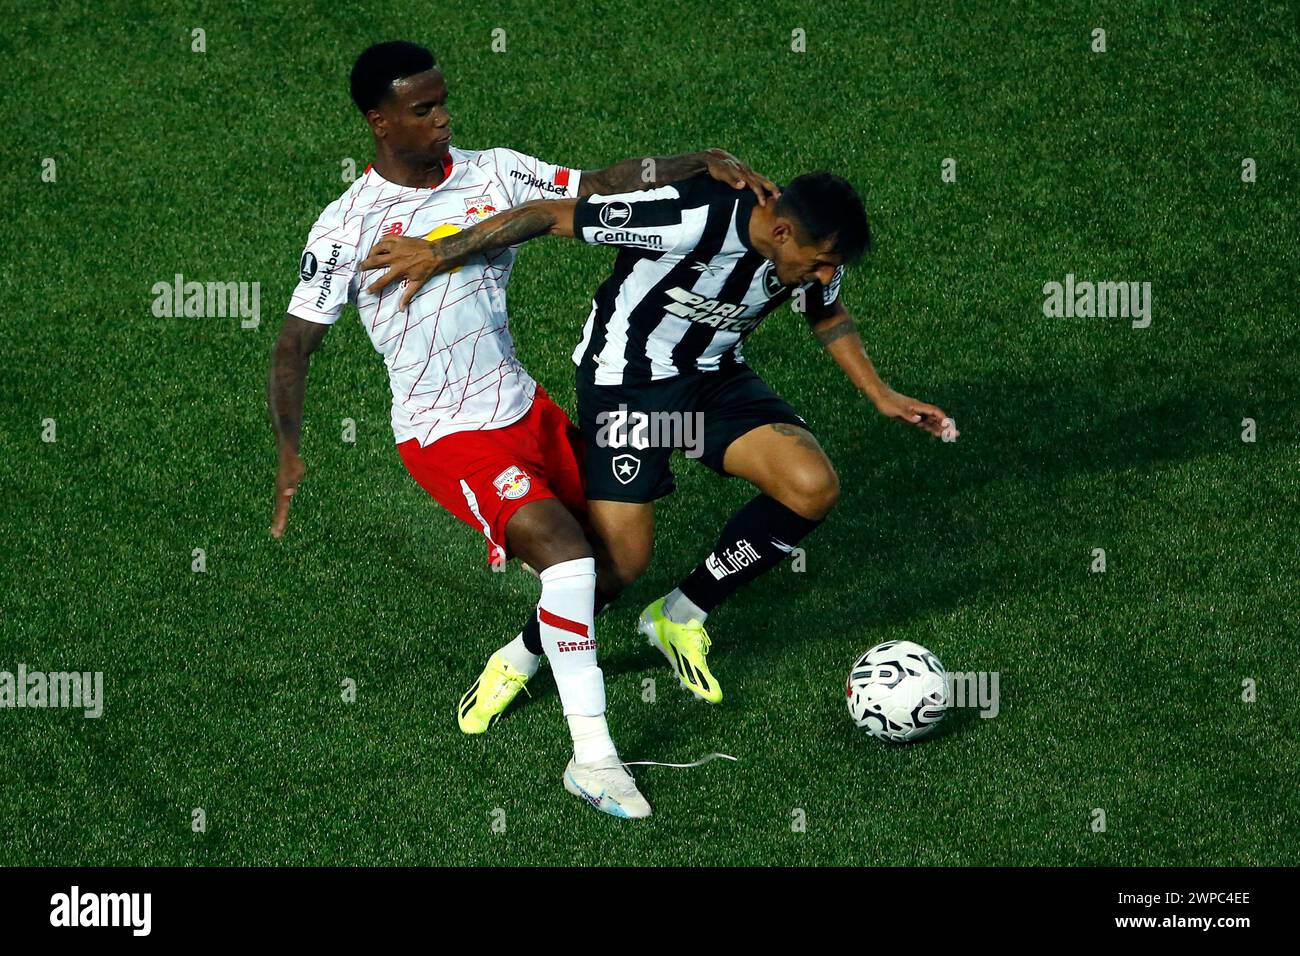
{"type": "Point", "coordinates": [519, 656]}
{"type": "Point", "coordinates": [566, 614]}
{"type": "Point", "coordinates": [680, 609]}
{"type": "Point", "coordinates": [591, 740]}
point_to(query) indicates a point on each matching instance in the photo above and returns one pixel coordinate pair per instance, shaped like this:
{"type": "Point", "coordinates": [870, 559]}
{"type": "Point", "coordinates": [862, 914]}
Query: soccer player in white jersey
{"type": "Point", "coordinates": [699, 268]}
{"type": "Point", "coordinates": [472, 427]}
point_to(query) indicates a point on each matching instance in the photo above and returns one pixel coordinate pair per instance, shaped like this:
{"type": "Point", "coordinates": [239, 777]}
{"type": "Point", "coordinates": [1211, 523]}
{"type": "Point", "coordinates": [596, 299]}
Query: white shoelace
{"type": "Point", "coordinates": [680, 766]}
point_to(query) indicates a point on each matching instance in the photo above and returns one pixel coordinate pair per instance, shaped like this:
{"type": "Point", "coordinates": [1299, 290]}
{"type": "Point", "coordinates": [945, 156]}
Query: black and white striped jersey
{"type": "Point", "coordinates": [687, 286]}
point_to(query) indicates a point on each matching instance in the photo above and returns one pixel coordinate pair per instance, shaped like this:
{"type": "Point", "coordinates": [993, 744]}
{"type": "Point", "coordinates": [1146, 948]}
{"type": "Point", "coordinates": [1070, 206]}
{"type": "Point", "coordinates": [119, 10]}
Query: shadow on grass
{"type": "Point", "coordinates": [923, 538]}
{"type": "Point", "coordinates": [920, 538]}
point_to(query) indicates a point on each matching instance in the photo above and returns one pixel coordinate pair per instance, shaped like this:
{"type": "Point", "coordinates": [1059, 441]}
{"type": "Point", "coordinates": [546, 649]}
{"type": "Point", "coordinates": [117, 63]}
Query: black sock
{"type": "Point", "coordinates": [533, 631]}
{"type": "Point", "coordinates": [757, 538]}
{"type": "Point", "coordinates": [533, 635]}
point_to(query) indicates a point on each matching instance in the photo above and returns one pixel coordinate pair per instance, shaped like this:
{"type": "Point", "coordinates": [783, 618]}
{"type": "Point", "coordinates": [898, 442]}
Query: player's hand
{"type": "Point", "coordinates": [287, 480]}
{"type": "Point", "coordinates": [930, 418]}
{"type": "Point", "coordinates": [725, 168]}
{"type": "Point", "coordinates": [405, 257]}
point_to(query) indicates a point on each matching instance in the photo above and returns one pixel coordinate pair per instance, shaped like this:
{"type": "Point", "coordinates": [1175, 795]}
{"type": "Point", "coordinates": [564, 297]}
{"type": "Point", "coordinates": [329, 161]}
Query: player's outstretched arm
{"type": "Point", "coordinates": [838, 334]}
{"type": "Point", "coordinates": [647, 172]}
{"type": "Point", "coordinates": [418, 260]}
{"type": "Point", "coordinates": [285, 390]}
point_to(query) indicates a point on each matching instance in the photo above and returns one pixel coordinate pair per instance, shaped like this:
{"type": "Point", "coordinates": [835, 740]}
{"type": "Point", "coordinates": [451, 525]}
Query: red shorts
{"type": "Point", "coordinates": [483, 477]}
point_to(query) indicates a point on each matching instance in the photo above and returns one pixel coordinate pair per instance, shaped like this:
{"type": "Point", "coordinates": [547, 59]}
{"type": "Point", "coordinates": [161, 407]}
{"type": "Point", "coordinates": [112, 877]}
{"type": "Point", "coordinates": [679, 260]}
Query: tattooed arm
{"type": "Point", "coordinates": [416, 260]}
{"type": "Point", "coordinates": [838, 334]}
{"type": "Point", "coordinates": [285, 389]}
{"type": "Point", "coordinates": [646, 172]}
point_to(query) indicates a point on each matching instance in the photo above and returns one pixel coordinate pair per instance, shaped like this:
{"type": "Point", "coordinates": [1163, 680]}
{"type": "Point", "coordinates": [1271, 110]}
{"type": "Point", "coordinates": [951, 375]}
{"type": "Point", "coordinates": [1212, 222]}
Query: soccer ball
{"type": "Point", "coordinates": [897, 691]}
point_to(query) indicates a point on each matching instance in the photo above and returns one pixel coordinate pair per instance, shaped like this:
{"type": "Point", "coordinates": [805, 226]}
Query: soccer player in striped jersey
{"type": "Point", "coordinates": [473, 428]}
{"type": "Point", "coordinates": [699, 268]}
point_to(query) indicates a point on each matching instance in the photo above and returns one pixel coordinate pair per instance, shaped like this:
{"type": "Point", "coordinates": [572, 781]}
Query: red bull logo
{"type": "Point", "coordinates": [512, 484]}
{"type": "Point", "coordinates": [479, 208]}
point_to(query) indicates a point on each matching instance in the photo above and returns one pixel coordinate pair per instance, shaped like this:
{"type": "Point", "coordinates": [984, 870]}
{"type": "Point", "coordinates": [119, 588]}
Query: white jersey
{"type": "Point", "coordinates": [451, 362]}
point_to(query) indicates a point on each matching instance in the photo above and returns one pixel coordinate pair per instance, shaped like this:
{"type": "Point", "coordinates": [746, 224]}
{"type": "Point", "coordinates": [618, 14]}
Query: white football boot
{"type": "Point", "coordinates": [608, 786]}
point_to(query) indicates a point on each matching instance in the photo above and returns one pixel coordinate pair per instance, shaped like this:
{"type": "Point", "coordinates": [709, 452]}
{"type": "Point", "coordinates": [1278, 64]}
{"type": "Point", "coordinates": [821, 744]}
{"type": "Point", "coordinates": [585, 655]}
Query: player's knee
{"type": "Point", "coordinates": [557, 547]}
{"type": "Point", "coordinates": [544, 537]}
{"type": "Point", "coordinates": [811, 490]}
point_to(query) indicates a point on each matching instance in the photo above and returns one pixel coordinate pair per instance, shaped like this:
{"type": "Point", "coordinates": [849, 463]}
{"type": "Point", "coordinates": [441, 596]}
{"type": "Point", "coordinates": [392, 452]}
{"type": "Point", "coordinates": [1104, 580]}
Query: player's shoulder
{"type": "Point", "coordinates": [495, 163]}
{"type": "Point", "coordinates": [475, 157]}
{"type": "Point", "coordinates": [505, 161]}
{"type": "Point", "coordinates": [703, 190]}
{"type": "Point", "coordinates": [493, 157]}
{"type": "Point", "coordinates": [345, 211]}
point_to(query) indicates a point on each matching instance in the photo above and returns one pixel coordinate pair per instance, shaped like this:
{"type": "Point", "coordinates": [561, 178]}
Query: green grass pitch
{"type": "Point", "coordinates": [1120, 691]}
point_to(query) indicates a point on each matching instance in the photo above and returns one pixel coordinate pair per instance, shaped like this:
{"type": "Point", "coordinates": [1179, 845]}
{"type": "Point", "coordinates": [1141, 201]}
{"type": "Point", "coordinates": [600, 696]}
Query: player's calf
{"type": "Point", "coordinates": [756, 539]}
{"type": "Point", "coordinates": [622, 536]}
{"type": "Point", "coordinates": [566, 633]}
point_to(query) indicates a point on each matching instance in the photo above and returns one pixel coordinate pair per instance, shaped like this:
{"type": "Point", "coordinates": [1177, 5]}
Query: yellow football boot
{"type": "Point", "coordinates": [483, 704]}
{"type": "Point", "coordinates": [686, 646]}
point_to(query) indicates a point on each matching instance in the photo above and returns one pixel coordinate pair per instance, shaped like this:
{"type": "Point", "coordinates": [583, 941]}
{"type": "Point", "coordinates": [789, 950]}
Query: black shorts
{"type": "Point", "coordinates": [632, 430]}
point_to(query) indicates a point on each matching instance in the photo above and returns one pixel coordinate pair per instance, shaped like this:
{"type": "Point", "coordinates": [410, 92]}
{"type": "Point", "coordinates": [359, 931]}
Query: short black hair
{"type": "Point", "coordinates": [378, 66]}
{"type": "Point", "coordinates": [826, 205]}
